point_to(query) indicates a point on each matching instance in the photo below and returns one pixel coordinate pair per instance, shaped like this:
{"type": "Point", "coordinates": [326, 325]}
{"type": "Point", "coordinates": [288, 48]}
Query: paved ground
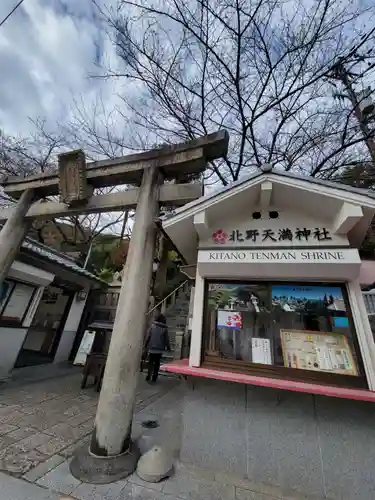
{"type": "Point", "coordinates": [42, 423]}
{"type": "Point", "coordinates": [43, 419]}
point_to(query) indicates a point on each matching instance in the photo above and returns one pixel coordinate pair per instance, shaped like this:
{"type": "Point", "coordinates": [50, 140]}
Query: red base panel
{"type": "Point", "coordinates": [182, 367]}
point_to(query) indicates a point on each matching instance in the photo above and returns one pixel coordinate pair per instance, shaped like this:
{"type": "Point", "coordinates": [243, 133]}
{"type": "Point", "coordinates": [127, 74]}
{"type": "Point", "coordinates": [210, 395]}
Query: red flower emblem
{"type": "Point", "coordinates": [220, 236]}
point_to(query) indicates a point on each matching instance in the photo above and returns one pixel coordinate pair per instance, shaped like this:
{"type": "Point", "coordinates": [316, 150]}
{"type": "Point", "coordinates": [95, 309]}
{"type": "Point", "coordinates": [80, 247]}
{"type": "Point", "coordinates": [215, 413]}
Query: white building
{"type": "Point", "coordinates": [278, 394]}
{"type": "Point", "coordinates": [41, 305]}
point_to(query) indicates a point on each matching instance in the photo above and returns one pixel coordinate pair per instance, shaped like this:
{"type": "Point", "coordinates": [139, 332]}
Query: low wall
{"type": "Point", "coordinates": [319, 446]}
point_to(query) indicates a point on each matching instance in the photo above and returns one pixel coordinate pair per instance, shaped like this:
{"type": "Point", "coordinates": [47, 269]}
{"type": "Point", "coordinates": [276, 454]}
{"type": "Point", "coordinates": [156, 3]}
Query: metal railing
{"type": "Point", "coordinates": [176, 336]}
{"type": "Point", "coordinates": [170, 299]}
{"type": "Point", "coordinates": [105, 303]}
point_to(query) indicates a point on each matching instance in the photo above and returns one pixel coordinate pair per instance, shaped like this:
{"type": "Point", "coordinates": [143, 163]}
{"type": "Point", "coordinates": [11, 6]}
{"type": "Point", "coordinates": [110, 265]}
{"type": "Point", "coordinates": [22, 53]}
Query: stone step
{"type": "Point", "coordinates": [183, 298]}
{"type": "Point", "coordinates": [179, 318]}
{"type": "Point", "coordinates": [181, 301]}
{"type": "Point", "coordinates": [174, 328]}
{"type": "Point", "coordinates": [176, 312]}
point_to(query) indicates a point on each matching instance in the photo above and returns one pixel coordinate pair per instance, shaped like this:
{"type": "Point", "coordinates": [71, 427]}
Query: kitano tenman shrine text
{"type": "Point", "coordinates": [290, 255]}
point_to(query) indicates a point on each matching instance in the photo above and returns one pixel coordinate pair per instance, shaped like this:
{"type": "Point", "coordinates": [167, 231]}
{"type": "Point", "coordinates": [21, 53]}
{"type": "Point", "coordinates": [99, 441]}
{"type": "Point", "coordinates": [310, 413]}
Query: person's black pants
{"type": "Point", "coordinates": [153, 366]}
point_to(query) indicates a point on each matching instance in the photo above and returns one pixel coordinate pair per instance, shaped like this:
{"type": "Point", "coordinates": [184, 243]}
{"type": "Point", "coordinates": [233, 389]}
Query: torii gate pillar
{"type": "Point", "coordinates": [112, 433]}
{"type": "Point", "coordinates": [14, 232]}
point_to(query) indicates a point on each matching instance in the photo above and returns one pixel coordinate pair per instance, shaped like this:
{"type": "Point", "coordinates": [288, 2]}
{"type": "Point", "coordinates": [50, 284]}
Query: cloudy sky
{"type": "Point", "coordinates": [47, 50]}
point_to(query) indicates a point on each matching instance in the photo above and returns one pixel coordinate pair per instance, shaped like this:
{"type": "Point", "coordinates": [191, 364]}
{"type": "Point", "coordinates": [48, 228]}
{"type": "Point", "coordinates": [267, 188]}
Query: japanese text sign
{"type": "Point", "coordinates": [271, 235]}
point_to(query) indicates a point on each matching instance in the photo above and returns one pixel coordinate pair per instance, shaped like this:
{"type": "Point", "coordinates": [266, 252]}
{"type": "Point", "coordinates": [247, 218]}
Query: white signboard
{"type": "Point", "coordinates": [279, 229]}
{"type": "Point", "coordinates": [85, 347]}
{"type": "Point", "coordinates": [344, 256]}
{"type": "Point", "coordinates": [261, 351]}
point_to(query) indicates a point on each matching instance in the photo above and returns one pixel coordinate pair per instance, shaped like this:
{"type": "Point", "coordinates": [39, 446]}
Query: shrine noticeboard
{"type": "Point", "coordinates": [317, 351]}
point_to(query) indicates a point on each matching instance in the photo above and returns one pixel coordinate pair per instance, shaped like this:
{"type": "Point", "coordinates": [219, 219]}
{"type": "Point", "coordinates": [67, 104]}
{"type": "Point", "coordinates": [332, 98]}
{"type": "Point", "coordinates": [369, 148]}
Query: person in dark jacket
{"type": "Point", "coordinates": [157, 341]}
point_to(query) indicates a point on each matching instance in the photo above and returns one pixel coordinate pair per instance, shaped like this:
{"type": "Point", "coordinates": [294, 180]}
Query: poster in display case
{"type": "Point", "coordinates": [308, 298]}
{"type": "Point", "coordinates": [261, 351]}
{"type": "Point", "coordinates": [229, 319]}
{"type": "Point", "coordinates": [317, 351]}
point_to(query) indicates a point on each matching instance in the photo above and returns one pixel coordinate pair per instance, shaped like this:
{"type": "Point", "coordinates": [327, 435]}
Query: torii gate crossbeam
{"type": "Point", "coordinates": [176, 162]}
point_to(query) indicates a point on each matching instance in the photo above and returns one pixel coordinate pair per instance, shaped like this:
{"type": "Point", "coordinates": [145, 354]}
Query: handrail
{"type": "Point", "coordinates": [169, 295]}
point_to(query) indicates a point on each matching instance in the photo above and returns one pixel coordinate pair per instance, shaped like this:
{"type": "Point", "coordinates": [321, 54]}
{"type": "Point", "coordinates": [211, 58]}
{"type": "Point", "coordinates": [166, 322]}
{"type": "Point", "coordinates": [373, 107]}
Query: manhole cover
{"type": "Point", "coordinates": [150, 424]}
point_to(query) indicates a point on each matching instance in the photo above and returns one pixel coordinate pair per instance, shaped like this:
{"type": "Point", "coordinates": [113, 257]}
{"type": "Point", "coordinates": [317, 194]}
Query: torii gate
{"type": "Point", "coordinates": [75, 182]}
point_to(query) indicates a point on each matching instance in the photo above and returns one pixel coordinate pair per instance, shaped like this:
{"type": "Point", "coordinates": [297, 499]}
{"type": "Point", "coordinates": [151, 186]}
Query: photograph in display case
{"type": "Point", "coordinates": [299, 298]}
{"type": "Point", "coordinates": [229, 319]}
{"type": "Point", "coordinates": [304, 298]}
{"type": "Point", "coordinates": [317, 351]}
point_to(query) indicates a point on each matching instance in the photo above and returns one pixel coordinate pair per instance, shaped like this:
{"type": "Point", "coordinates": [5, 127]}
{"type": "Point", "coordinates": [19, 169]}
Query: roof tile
{"type": "Point", "coordinates": [56, 257]}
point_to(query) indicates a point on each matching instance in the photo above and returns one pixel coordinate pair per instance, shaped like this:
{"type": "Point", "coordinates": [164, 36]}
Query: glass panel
{"type": "Point", "coordinates": [46, 321]}
{"type": "Point", "coordinates": [5, 290]}
{"type": "Point", "coordinates": [296, 326]}
{"type": "Point", "coordinates": [18, 302]}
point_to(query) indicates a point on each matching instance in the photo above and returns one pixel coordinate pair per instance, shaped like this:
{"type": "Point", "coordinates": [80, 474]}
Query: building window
{"type": "Point", "coordinates": [15, 303]}
{"type": "Point", "coordinates": [289, 330]}
{"type": "Point", "coordinates": [5, 290]}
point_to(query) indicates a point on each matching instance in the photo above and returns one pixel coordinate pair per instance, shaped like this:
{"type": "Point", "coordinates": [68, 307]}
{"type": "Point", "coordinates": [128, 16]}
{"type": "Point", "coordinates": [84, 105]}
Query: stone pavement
{"type": "Point", "coordinates": [186, 484]}
{"type": "Point", "coordinates": [41, 424]}
{"type": "Point", "coordinates": [17, 489]}
{"type": "Point", "coordinates": [40, 420]}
